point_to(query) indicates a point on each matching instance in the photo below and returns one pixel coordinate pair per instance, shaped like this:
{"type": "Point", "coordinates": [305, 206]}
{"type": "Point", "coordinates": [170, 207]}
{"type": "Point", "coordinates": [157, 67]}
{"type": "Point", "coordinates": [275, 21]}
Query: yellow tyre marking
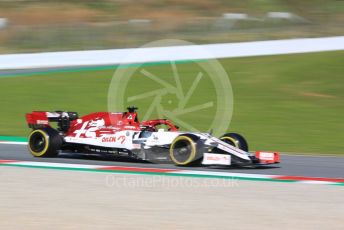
{"type": "Point", "coordinates": [193, 150]}
{"type": "Point", "coordinates": [235, 142]}
{"type": "Point", "coordinates": [46, 137]}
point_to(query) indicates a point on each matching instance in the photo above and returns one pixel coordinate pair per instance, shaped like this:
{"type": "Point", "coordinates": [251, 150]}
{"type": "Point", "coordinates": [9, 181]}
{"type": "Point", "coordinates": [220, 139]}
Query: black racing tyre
{"type": "Point", "coordinates": [184, 150]}
{"type": "Point", "coordinates": [235, 140]}
{"type": "Point", "coordinates": [44, 142]}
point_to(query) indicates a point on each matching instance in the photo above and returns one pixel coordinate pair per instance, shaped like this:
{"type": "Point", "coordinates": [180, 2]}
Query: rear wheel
{"type": "Point", "coordinates": [44, 142]}
{"type": "Point", "coordinates": [183, 150]}
{"type": "Point", "coordinates": [235, 140]}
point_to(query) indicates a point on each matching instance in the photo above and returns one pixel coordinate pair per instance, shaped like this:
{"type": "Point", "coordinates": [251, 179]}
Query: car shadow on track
{"type": "Point", "coordinates": [262, 167]}
{"type": "Point", "coordinates": [98, 157]}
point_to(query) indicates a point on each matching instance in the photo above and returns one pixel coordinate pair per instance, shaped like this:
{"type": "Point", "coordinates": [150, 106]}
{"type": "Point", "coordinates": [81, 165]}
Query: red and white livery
{"type": "Point", "coordinates": [122, 134]}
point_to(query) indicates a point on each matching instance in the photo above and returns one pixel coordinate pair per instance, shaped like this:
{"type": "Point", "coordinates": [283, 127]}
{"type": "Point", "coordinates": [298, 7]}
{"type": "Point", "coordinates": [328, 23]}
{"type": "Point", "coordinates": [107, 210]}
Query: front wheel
{"type": "Point", "coordinates": [183, 150]}
{"type": "Point", "coordinates": [44, 142]}
{"type": "Point", "coordinates": [235, 140]}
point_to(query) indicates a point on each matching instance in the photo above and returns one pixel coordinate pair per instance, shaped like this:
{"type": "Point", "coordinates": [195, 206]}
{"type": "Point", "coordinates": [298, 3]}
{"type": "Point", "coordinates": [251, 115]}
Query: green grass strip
{"type": "Point", "coordinates": [12, 138]}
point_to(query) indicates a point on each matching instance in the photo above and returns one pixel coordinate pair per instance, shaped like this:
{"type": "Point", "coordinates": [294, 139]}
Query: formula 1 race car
{"type": "Point", "coordinates": [121, 134]}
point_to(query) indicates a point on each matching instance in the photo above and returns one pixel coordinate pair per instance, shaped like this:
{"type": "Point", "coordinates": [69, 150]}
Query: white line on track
{"type": "Point", "coordinates": [52, 164]}
{"type": "Point", "coordinates": [13, 143]}
{"type": "Point", "coordinates": [157, 54]}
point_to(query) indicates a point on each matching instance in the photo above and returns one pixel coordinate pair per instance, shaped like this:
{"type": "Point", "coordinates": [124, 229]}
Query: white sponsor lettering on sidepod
{"type": "Point", "coordinates": [89, 132]}
{"type": "Point", "coordinates": [82, 130]}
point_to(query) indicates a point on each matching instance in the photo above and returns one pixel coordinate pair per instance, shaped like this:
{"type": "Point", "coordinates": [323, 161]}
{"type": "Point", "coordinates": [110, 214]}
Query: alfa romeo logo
{"type": "Point", "coordinates": [195, 95]}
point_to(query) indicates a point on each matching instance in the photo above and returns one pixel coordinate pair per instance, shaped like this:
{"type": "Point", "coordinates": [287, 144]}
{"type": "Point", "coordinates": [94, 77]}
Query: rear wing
{"type": "Point", "coordinates": [40, 119]}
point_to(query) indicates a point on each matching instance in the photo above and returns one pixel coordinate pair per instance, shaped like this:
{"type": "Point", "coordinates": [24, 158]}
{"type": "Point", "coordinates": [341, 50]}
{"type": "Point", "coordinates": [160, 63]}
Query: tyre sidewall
{"type": "Point", "coordinates": [194, 155]}
{"type": "Point", "coordinates": [236, 140]}
{"type": "Point", "coordinates": [53, 142]}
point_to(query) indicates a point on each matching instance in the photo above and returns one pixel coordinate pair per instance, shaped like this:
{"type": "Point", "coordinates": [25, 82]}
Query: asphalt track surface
{"type": "Point", "coordinates": [294, 165]}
